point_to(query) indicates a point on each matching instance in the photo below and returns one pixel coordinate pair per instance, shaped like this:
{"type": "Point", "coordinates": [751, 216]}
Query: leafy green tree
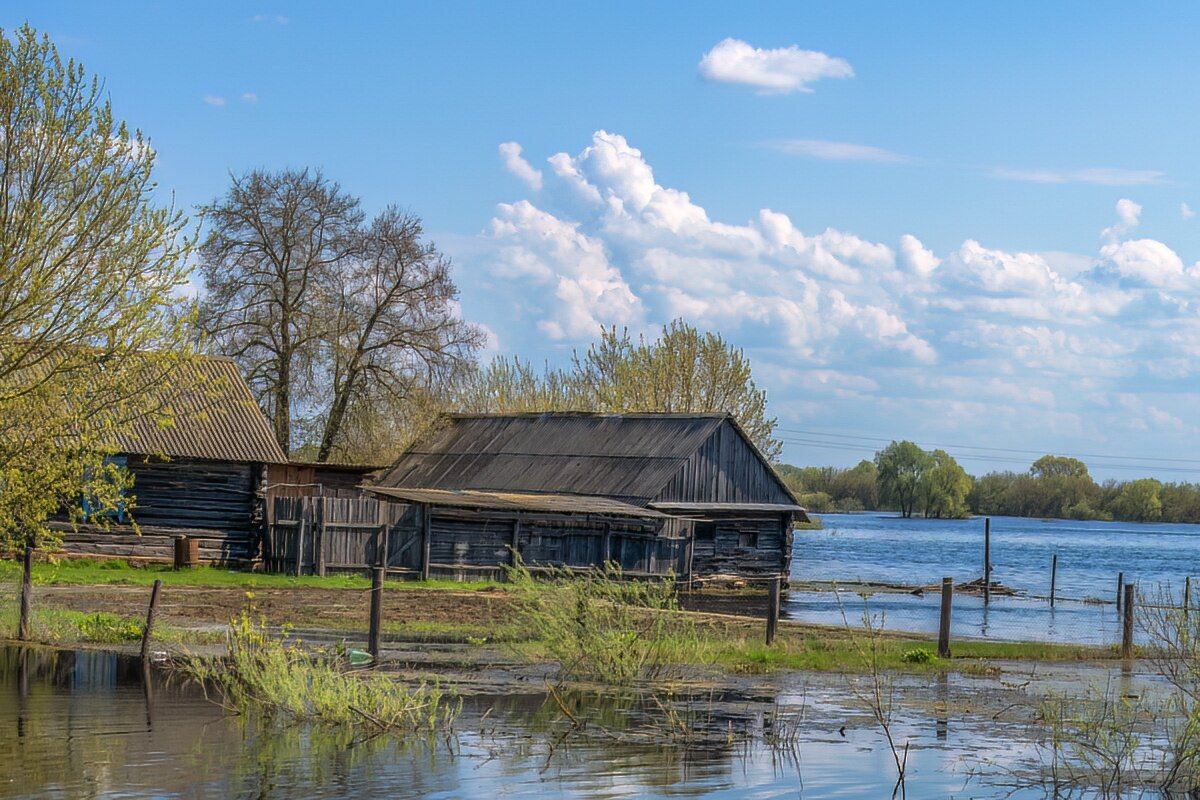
{"type": "Point", "coordinates": [90, 273]}
{"type": "Point", "coordinates": [684, 371]}
{"type": "Point", "coordinates": [944, 488]}
{"type": "Point", "coordinates": [902, 467]}
{"type": "Point", "coordinates": [1139, 501]}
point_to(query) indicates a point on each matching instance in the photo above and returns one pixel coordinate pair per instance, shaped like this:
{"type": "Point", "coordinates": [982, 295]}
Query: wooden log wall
{"type": "Point", "coordinates": [741, 546]}
{"type": "Point", "coordinates": [187, 493]}
{"type": "Point", "coordinates": [153, 545]}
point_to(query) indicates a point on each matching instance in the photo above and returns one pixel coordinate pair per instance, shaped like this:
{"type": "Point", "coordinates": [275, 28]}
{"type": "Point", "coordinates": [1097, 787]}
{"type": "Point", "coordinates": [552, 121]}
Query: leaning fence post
{"type": "Point", "coordinates": [944, 621]}
{"type": "Point", "coordinates": [1187, 593]}
{"type": "Point", "coordinates": [23, 632]}
{"type": "Point", "coordinates": [772, 608]}
{"type": "Point", "coordinates": [1053, 576]}
{"type": "Point", "coordinates": [376, 611]}
{"type": "Point", "coordinates": [1120, 583]}
{"type": "Point", "coordinates": [1127, 623]}
{"type": "Point", "coordinates": [150, 614]}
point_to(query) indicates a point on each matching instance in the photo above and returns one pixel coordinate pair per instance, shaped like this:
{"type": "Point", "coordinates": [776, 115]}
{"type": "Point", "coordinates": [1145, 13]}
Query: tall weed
{"type": "Point", "coordinates": [600, 626]}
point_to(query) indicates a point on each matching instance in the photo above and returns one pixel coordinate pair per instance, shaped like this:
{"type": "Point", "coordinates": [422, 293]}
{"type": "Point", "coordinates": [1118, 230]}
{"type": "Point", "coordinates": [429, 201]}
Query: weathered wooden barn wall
{"type": "Point", "coordinates": [724, 469]}
{"type": "Point", "coordinates": [153, 544]}
{"type": "Point", "coordinates": [742, 545]}
{"type": "Point", "coordinates": [338, 534]}
{"type": "Point", "coordinates": [188, 493]}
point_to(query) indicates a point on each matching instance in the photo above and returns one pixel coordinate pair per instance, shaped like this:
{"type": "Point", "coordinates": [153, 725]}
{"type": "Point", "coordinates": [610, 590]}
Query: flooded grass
{"type": "Point", "coordinates": [267, 674]}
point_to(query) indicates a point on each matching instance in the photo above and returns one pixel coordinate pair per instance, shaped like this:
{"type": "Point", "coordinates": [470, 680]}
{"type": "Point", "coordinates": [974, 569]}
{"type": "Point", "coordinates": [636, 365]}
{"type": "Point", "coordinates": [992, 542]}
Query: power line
{"type": "Point", "coordinates": [1038, 453]}
{"type": "Point", "coordinates": [997, 459]}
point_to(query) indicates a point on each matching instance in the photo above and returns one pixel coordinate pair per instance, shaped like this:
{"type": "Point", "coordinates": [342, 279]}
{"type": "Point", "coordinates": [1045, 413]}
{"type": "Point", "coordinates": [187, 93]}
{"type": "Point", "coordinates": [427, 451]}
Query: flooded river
{"type": "Point", "coordinates": [876, 547]}
{"type": "Point", "coordinates": [89, 724]}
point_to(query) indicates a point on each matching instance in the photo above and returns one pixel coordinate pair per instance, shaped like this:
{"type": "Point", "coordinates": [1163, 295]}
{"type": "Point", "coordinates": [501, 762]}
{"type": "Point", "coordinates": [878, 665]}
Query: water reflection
{"type": "Point", "coordinates": [90, 724]}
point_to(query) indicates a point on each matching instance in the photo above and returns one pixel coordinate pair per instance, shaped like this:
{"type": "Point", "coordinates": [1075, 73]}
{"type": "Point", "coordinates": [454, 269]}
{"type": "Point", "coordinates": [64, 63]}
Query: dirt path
{"type": "Point", "coordinates": [340, 609]}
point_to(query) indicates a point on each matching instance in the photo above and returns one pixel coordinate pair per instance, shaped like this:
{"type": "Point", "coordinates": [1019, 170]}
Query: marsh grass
{"type": "Point", "coordinates": [268, 674]}
{"type": "Point", "coordinates": [60, 626]}
{"type": "Point", "coordinates": [602, 627]}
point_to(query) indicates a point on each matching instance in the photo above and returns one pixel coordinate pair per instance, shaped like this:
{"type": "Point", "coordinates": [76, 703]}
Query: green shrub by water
{"type": "Point", "coordinates": [109, 628]}
{"type": "Point", "coordinates": [264, 673]}
{"type": "Point", "coordinates": [600, 626]}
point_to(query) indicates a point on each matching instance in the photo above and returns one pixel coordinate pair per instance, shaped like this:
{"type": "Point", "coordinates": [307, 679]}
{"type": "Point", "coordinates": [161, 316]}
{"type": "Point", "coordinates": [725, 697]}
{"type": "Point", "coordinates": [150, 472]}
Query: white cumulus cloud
{"type": "Point", "coordinates": [771, 71]}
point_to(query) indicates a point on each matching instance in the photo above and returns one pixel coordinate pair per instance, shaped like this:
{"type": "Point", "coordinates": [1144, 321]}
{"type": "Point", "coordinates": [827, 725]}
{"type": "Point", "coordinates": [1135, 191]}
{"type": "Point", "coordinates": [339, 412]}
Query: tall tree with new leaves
{"type": "Point", "coordinates": [90, 272]}
{"type": "Point", "coordinates": [683, 371]}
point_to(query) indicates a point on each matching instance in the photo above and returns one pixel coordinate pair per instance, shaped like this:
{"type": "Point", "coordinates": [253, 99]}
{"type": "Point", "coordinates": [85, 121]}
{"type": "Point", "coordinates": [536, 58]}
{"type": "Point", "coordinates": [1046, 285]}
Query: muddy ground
{"type": "Point", "coordinates": [337, 609]}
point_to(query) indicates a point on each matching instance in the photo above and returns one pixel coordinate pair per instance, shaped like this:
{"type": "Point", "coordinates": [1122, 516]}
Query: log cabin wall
{"type": "Point", "coordinates": [742, 544]}
{"type": "Point", "coordinates": [185, 493]}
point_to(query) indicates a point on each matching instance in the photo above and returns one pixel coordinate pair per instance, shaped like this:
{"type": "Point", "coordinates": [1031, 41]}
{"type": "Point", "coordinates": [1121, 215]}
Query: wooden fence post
{"type": "Point", "coordinates": [376, 612]}
{"type": "Point", "coordinates": [305, 514]}
{"type": "Point", "coordinates": [1120, 583]}
{"type": "Point", "coordinates": [1127, 623]}
{"type": "Point", "coordinates": [1053, 576]}
{"type": "Point", "coordinates": [23, 631]}
{"type": "Point", "coordinates": [1187, 593]}
{"type": "Point", "coordinates": [150, 614]}
{"type": "Point", "coordinates": [514, 557]}
{"type": "Point", "coordinates": [944, 619]}
{"type": "Point", "coordinates": [426, 524]}
{"type": "Point", "coordinates": [987, 560]}
{"type": "Point", "coordinates": [319, 536]}
{"type": "Point", "coordinates": [772, 608]}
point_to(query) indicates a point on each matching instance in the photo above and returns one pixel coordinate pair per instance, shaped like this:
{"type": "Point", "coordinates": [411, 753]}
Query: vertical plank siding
{"type": "Point", "coordinates": [725, 469]}
{"type": "Point", "coordinates": [350, 533]}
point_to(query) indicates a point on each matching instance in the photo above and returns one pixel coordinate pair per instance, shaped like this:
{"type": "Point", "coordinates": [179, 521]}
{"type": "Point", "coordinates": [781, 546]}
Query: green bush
{"type": "Point", "coordinates": [918, 655]}
{"type": "Point", "coordinates": [109, 628]}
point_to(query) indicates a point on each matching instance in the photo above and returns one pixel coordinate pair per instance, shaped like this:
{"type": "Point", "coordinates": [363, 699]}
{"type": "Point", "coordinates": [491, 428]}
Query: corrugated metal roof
{"type": "Point", "coordinates": [215, 417]}
{"type": "Point", "coordinates": [519, 501]}
{"type": "Point", "coordinates": [627, 456]}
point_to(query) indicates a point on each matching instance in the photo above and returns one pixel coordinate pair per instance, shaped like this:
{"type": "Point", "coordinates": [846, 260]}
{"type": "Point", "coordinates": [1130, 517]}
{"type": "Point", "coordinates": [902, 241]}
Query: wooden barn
{"type": "Point", "coordinates": [655, 493]}
{"type": "Point", "coordinates": [204, 476]}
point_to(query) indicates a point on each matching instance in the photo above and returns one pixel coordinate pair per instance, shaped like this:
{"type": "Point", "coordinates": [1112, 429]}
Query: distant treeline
{"type": "Point", "coordinates": [909, 480]}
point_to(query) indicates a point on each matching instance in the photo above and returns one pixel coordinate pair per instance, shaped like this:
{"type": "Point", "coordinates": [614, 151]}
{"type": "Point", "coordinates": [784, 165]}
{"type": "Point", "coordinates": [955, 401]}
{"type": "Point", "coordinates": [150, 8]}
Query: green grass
{"type": "Point", "coordinates": [63, 627]}
{"type": "Point", "coordinates": [96, 572]}
{"type": "Point", "coordinates": [837, 651]}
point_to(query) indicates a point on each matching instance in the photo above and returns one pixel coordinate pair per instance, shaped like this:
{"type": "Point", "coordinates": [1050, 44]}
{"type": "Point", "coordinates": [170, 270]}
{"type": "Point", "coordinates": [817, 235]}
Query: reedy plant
{"type": "Point", "coordinates": [264, 673]}
{"type": "Point", "coordinates": [601, 626]}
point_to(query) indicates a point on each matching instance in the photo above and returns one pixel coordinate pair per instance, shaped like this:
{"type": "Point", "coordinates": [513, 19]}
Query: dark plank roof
{"type": "Point", "coordinates": [626, 456]}
{"type": "Point", "coordinates": [215, 417]}
{"type": "Point", "coordinates": [518, 501]}
{"type": "Point", "coordinates": [798, 512]}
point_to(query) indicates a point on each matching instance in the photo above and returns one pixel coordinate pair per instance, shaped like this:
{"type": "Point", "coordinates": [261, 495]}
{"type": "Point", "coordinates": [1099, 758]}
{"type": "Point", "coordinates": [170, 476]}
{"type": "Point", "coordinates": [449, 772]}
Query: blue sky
{"type": "Point", "coordinates": [968, 225]}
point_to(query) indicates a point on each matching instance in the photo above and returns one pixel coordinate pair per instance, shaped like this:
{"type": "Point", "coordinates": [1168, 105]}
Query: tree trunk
{"type": "Point", "coordinates": [333, 423]}
{"type": "Point", "coordinates": [283, 406]}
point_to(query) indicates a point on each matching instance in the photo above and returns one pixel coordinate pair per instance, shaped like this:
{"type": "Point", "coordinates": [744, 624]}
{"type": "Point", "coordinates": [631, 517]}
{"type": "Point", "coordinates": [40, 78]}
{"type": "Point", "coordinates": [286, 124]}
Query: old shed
{"type": "Point", "coordinates": [656, 493]}
{"type": "Point", "coordinates": [204, 475]}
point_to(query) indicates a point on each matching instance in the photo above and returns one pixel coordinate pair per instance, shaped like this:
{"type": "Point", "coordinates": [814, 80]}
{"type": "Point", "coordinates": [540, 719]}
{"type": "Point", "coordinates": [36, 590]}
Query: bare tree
{"type": "Point", "coordinates": [341, 327]}
{"type": "Point", "coordinates": [395, 331]}
{"type": "Point", "coordinates": [272, 242]}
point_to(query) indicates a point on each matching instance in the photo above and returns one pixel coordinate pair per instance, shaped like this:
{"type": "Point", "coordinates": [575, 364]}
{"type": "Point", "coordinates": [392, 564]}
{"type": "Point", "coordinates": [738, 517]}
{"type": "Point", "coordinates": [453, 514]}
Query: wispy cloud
{"type": "Point", "coordinates": [778, 71]}
{"type": "Point", "coordinates": [1186, 211]}
{"type": "Point", "coordinates": [836, 151]}
{"type": "Point", "coordinates": [214, 100]}
{"type": "Point", "coordinates": [272, 19]}
{"type": "Point", "coordinates": [249, 97]}
{"type": "Point", "coordinates": [511, 153]}
{"type": "Point", "coordinates": [1100, 176]}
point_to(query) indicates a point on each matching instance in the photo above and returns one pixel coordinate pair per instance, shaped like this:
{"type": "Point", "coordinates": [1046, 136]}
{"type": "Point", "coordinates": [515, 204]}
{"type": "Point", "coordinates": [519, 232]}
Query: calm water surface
{"type": "Point", "coordinates": [87, 724]}
{"type": "Point", "coordinates": [883, 548]}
